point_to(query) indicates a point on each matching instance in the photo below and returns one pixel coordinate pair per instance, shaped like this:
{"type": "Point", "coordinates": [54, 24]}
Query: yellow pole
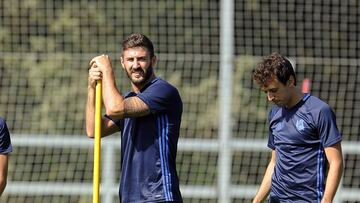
{"type": "Point", "coordinates": [97, 143]}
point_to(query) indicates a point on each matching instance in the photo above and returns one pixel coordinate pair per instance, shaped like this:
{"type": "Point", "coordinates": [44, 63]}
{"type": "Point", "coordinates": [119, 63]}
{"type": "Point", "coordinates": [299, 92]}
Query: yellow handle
{"type": "Point", "coordinates": [97, 143]}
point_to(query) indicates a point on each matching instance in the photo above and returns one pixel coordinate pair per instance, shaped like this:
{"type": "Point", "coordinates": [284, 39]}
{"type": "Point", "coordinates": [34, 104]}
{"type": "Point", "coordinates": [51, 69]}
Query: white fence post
{"type": "Point", "coordinates": [225, 96]}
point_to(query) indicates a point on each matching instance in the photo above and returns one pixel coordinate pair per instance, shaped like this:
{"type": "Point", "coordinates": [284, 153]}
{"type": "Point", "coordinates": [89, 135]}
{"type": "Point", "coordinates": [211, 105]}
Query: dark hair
{"type": "Point", "coordinates": [138, 40]}
{"type": "Point", "coordinates": [273, 65]}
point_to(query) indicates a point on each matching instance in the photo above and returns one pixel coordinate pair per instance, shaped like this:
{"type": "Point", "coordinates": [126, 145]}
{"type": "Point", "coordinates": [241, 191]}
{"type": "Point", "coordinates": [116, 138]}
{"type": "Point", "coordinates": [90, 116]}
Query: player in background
{"type": "Point", "coordinates": [148, 118]}
{"type": "Point", "coordinates": [5, 149]}
{"type": "Point", "coordinates": [306, 160]}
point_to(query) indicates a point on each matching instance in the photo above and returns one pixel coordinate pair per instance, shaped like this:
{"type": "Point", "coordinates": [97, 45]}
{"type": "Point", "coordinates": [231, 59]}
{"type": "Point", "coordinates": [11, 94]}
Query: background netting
{"type": "Point", "coordinates": [45, 46]}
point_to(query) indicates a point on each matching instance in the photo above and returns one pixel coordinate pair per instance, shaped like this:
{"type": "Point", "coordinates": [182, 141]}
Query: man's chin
{"type": "Point", "coordinates": [138, 81]}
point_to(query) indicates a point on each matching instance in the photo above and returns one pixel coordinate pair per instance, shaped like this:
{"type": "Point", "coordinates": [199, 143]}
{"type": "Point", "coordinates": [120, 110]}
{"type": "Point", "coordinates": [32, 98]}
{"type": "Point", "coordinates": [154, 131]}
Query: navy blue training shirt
{"type": "Point", "coordinates": [149, 146]}
{"type": "Point", "coordinates": [299, 135]}
{"type": "Point", "coordinates": [5, 142]}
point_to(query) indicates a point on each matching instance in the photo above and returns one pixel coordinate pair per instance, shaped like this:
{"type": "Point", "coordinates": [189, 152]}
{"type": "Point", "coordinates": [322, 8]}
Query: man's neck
{"type": "Point", "coordinates": [297, 96]}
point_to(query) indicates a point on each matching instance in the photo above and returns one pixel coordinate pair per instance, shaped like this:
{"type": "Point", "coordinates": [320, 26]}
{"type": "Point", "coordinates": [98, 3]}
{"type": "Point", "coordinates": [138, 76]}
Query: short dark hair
{"type": "Point", "coordinates": [138, 40]}
{"type": "Point", "coordinates": [273, 65]}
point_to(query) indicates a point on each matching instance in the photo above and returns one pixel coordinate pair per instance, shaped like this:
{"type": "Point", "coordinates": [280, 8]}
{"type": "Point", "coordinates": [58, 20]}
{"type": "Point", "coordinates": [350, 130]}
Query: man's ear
{"type": "Point", "coordinates": [153, 61]}
{"type": "Point", "coordinates": [291, 81]}
{"type": "Point", "coordinates": [122, 62]}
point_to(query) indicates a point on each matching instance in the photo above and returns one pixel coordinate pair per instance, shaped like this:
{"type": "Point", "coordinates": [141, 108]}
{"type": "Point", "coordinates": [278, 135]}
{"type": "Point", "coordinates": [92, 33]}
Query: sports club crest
{"type": "Point", "coordinates": [300, 125]}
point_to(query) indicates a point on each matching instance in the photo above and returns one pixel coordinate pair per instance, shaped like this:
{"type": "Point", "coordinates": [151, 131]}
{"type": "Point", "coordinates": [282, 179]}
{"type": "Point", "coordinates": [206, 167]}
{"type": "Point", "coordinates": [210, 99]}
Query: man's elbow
{"type": "Point", "coordinates": [115, 112]}
{"type": "Point", "coordinates": [90, 133]}
{"type": "Point", "coordinates": [3, 183]}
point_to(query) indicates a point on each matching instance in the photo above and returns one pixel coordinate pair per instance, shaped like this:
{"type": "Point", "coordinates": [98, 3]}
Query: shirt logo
{"type": "Point", "coordinates": [300, 125]}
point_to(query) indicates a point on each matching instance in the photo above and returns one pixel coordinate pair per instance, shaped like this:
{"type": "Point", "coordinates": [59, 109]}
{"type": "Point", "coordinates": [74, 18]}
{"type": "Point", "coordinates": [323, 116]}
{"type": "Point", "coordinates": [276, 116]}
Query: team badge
{"type": "Point", "coordinates": [300, 125]}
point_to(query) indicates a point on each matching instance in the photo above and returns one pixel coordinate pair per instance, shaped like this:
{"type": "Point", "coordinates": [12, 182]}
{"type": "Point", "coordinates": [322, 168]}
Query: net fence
{"type": "Point", "coordinates": [45, 47]}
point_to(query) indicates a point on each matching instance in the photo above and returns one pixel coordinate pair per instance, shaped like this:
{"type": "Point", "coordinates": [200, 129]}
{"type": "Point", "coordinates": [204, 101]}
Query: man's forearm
{"type": "Point", "coordinates": [113, 100]}
{"type": "Point", "coordinates": [332, 182]}
{"type": "Point", "coordinates": [2, 186]}
{"type": "Point", "coordinates": [90, 112]}
{"type": "Point", "coordinates": [335, 160]}
{"type": "Point", "coordinates": [265, 186]}
{"type": "Point", "coordinates": [266, 182]}
{"type": "Point", "coordinates": [3, 171]}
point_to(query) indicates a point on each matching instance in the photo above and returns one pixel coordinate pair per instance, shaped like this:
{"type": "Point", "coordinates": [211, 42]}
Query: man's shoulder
{"type": "Point", "coordinates": [316, 100]}
{"type": "Point", "coordinates": [316, 104]}
{"type": "Point", "coordinates": [162, 87]}
{"type": "Point", "coordinates": [161, 83]}
{"type": "Point", "coordinates": [318, 109]}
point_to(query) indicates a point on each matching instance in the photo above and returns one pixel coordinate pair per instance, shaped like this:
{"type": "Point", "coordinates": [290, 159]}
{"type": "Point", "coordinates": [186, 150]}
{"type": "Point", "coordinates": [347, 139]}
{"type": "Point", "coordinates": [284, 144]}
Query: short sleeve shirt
{"type": "Point", "coordinates": [299, 136]}
{"type": "Point", "coordinates": [149, 147]}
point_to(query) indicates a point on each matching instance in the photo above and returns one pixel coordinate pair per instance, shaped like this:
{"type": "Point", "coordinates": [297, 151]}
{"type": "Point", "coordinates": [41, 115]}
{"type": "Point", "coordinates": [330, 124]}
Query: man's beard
{"type": "Point", "coordinates": [147, 75]}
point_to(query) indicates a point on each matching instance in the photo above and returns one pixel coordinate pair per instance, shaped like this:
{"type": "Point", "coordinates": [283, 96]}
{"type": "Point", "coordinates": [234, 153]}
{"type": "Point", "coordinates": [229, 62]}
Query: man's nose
{"type": "Point", "coordinates": [136, 63]}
